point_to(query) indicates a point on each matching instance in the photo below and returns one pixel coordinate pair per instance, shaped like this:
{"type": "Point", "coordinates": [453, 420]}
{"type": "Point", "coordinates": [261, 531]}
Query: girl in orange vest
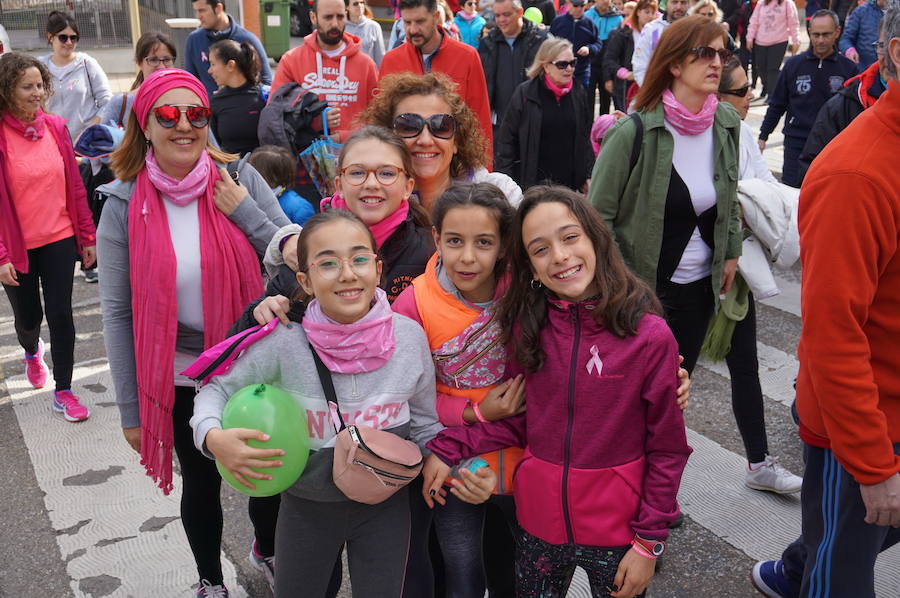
{"type": "Point", "coordinates": [454, 302]}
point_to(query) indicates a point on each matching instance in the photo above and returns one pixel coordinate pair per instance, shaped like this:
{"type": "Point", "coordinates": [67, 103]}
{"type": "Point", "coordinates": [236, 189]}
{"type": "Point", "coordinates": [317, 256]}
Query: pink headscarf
{"type": "Point", "coordinates": [230, 278]}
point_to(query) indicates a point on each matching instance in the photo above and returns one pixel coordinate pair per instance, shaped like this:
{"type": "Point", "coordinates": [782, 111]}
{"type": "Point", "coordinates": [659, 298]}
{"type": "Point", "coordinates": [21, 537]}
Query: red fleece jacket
{"type": "Point", "coordinates": [848, 390]}
{"type": "Point", "coordinates": [458, 61]}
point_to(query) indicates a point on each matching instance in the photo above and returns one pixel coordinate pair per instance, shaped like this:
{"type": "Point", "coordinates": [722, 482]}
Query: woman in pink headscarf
{"type": "Point", "coordinates": [179, 241]}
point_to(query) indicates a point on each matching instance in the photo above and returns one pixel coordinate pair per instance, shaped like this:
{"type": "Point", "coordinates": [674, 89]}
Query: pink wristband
{"type": "Point", "coordinates": [638, 548]}
{"type": "Point", "coordinates": [478, 413]}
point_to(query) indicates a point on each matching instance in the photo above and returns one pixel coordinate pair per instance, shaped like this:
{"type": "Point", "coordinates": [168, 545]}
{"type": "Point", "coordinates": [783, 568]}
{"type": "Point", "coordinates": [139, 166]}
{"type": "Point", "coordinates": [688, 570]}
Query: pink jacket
{"type": "Point", "coordinates": [605, 441]}
{"type": "Point", "coordinates": [12, 242]}
{"type": "Point", "coordinates": [774, 23]}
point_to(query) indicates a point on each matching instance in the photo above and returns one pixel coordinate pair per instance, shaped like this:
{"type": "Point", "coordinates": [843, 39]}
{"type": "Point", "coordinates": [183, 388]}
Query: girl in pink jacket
{"type": "Point", "coordinates": [604, 438]}
{"type": "Point", "coordinates": [772, 25]}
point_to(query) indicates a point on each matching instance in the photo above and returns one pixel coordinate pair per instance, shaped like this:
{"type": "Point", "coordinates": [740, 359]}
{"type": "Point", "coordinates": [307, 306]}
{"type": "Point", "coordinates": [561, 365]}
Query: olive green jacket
{"type": "Point", "coordinates": [633, 204]}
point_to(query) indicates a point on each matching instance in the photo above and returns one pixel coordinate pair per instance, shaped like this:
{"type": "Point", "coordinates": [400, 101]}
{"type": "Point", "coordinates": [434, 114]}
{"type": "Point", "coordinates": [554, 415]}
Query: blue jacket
{"type": "Point", "coordinates": [470, 31]}
{"type": "Point", "coordinates": [196, 52]}
{"type": "Point", "coordinates": [604, 23]}
{"type": "Point", "coordinates": [581, 33]}
{"type": "Point", "coordinates": [297, 209]}
{"type": "Point", "coordinates": [861, 32]}
{"type": "Point", "coordinates": [803, 87]}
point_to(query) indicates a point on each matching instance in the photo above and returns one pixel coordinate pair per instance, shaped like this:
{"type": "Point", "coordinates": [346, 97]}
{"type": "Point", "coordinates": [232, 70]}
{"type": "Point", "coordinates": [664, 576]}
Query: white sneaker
{"type": "Point", "coordinates": [772, 477]}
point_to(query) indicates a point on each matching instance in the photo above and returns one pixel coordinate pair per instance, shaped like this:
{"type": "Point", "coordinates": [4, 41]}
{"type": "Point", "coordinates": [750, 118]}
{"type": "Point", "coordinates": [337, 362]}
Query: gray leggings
{"type": "Point", "coordinates": [310, 534]}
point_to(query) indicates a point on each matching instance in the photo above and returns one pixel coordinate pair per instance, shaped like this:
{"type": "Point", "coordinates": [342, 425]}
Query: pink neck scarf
{"type": "Point", "coordinates": [466, 16]}
{"type": "Point", "coordinates": [683, 120]}
{"type": "Point", "coordinates": [383, 230]}
{"type": "Point", "coordinates": [230, 280]}
{"type": "Point", "coordinates": [182, 192]}
{"type": "Point", "coordinates": [363, 346]}
{"type": "Point", "coordinates": [33, 130]}
{"type": "Point", "coordinates": [558, 91]}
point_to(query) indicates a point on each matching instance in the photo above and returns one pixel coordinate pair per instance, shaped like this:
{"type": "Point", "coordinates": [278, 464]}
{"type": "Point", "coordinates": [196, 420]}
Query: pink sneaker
{"type": "Point", "coordinates": [35, 367]}
{"type": "Point", "coordinates": [70, 406]}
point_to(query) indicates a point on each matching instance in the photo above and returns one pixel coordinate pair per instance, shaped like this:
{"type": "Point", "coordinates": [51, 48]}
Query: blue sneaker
{"type": "Point", "coordinates": [768, 578]}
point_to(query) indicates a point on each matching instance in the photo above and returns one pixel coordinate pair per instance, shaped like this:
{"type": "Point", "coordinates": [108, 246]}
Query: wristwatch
{"type": "Point", "coordinates": [654, 547]}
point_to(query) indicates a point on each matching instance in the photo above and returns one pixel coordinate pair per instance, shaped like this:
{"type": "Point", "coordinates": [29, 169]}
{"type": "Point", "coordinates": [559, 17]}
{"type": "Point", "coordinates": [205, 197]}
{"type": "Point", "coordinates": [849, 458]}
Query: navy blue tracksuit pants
{"type": "Point", "coordinates": [835, 556]}
{"type": "Point", "coordinates": [790, 171]}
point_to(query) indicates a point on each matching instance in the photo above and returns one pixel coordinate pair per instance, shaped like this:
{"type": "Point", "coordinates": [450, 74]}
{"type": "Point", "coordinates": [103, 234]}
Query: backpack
{"type": "Point", "coordinates": [286, 120]}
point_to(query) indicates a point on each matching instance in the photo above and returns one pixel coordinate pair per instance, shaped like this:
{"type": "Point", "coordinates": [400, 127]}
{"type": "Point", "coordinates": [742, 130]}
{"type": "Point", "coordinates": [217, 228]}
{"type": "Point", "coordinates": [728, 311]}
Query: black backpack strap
{"type": "Point", "coordinates": [327, 384]}
{"type": "Point", "coordinates": [638, 140]}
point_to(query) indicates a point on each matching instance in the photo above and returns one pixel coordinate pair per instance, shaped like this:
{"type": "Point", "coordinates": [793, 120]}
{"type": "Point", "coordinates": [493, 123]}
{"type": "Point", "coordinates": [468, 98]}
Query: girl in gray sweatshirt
{"type": "Point", "coordinates": [383, 377]}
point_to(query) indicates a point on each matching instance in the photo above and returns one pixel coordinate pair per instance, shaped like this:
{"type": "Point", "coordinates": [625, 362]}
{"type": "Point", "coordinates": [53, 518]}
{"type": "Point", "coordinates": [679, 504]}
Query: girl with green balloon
{"type": "Point", "coordinates": [383, 377]}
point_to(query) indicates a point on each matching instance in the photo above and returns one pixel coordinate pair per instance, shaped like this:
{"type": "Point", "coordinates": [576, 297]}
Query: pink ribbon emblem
{"type": "Point", "coordinates": [595, 361]}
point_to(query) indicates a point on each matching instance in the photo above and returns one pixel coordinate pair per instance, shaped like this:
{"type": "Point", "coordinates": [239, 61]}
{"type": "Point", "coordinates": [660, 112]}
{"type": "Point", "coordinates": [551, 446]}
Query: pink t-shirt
{"type": "Point", "coordinates": [37, 185]}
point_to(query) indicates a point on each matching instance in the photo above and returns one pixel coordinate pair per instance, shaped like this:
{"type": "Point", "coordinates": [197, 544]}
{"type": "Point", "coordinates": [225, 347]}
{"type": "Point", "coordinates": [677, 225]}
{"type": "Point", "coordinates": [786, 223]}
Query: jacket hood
{"type": "Point", "coordinates": [351, 48]}
{"type": "Point", "coordinates": [864, 81]}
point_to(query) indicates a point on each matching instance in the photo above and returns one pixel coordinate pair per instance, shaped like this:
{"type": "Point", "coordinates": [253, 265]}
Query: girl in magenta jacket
{"type": "Point", "coordinates": [44, 220]}
{"type": "Point", "coordinates": [604, 437]}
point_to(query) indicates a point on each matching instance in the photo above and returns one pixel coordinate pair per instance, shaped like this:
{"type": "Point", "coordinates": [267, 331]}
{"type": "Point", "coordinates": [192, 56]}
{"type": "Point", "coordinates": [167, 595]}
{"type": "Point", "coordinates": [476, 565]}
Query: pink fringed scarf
{"type": "Point", "coordinates": [230, 279]}
{"type": "Point", "coordinates": [683, 120]}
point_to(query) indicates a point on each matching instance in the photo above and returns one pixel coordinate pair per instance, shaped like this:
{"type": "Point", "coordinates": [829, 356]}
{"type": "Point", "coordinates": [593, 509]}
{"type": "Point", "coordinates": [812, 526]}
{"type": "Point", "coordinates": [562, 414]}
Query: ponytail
{"type": "Point", "coordinates": [244, 56]}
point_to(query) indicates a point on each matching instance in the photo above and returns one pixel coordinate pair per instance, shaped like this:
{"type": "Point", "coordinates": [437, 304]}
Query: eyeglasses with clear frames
{"type": "Point", "coordinates": [357, 174]}
{"type": "Point", "coordinates": [330, 267]}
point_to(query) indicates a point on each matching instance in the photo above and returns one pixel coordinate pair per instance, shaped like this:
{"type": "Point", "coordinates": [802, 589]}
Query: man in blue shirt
{"type": "Point", "coordinates": [216, 25]}
{"type": "Point", "coordinates": [605, 18]}
{"type": "Point", "coordinates": [583, 35]}
{"type": "Point", "coordinates": [806, 82]}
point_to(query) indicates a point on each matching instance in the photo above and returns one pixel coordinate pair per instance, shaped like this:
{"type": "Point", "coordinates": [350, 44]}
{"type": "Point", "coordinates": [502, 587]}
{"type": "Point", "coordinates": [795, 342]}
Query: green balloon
{"type": "Point", "coordinates": [273, 411]}
{"type": "Point", "coordinates": [534, 14]}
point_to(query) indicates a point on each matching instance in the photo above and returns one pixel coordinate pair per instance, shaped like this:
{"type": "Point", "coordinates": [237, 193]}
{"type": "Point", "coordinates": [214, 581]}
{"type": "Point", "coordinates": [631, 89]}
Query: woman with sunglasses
{"type": "Point", "coordinates": [44, 221]}
{"type": "Point", "coordinates": [179, 240]}
{"type": "Point", "coordinates": [81, 87]}
{"type": "Point", "coordinates": [371, 37]}
{"type": "Point", "coordinates": [470, 23]}
{"type": "Point", "coordinates": [666, 181]}
{"type": "Point", "coordinates": [617, 67]}
{"type": "Point", "coordinates": [545, 134]}
{"type": "Point", "coordinates": [763, 471]}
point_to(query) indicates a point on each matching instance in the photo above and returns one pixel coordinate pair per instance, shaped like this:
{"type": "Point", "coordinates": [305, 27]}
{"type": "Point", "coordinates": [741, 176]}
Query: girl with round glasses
{"type": "Point", "coordinates": [81, 87]}
{"type": "Point", "coordinates": [545, 134]}
{"type": "Point", "coordinates": [166, 295]}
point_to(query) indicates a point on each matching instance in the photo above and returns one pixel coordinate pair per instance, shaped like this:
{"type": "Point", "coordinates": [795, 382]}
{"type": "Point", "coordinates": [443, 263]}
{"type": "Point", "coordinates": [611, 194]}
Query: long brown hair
{"type": "Point", "coordinates": [623, 299]}
{"type": "Point", "coordinates": [674, 47]}
{"type": "Point", "coordinates": [471, 143]}
{"type": "Point", "coordinates": [642, 4]}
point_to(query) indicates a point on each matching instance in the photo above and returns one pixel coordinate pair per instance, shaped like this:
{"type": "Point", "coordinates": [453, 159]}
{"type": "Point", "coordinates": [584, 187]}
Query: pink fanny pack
{"type": "Point", "coordinates": [370, 465]}
{"type": "Point", "coordinates": [218, 359]}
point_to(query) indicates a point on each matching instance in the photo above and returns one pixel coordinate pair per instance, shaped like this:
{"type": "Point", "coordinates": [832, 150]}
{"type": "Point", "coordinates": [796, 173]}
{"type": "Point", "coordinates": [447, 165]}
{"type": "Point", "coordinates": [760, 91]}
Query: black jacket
{"type": "Point", "coordinates": [619, 52]}
{"type": "Point", "coordinates": [525, 47]}
{"type": "Point", "coordinates": [803, 87]}
{"type": "Point", "coordinates": [548, 11]}
{"type": "Point", "coordinates": [519, 140]}
{"type": "Point", "coordinates": [835, 115]}
{"type": "Point", "coordinates": [235, 117]}
{"type": "Point", "coordinates": [405, 254]}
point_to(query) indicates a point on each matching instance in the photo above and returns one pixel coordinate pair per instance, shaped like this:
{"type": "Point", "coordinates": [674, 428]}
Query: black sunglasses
{"type": "Point", "coordinates": [169, 115]}
{"type": "Point", "coordinates": [442, 126]}
{"type": "Point", "coordinates": [64, 39]}
{"type": "Point", "coordinates": [564, 64]}
{"type": "Point", "coordinates": [740, 92]}
{"type": "Point", "coordinates": [708, 53]}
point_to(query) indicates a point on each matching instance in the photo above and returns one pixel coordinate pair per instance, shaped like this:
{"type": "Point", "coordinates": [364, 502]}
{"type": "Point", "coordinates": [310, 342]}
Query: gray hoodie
{"type": "Point", "coordinates": [80, 91]}
{"type": "Point", "coordinates": [259, 216]}
{"type": "Point", "coordinates": [398, 397]}
{"type": "Point", "coordinates": [371, 37]}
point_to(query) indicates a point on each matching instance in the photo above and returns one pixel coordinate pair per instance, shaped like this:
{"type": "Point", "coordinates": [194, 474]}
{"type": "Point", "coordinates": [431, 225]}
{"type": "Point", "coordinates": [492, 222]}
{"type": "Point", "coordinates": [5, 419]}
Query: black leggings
{"type": "Point", "coordinates": [768, 64]}
{"type": "Point", "coordinates": [201, 506]}
{"type": "Point", "coordinates": [688, 309]}
{"type": "Point", "coordinates": [50, 267]}
{"type": "Point", "coordinates": [746, 392]}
